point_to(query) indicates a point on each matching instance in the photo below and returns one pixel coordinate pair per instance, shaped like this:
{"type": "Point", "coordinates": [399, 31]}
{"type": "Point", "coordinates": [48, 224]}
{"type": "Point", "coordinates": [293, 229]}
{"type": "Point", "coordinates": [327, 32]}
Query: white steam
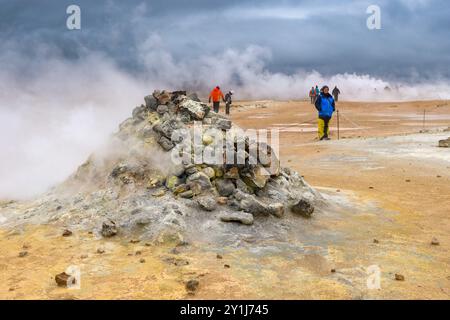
{"type": "Point", "coordinates": [54, 116]}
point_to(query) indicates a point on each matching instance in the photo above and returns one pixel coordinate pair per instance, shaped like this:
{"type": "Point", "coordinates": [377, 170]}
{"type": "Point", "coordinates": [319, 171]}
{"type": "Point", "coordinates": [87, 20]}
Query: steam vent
{"type": "Point", "coordinates": [176, 171]}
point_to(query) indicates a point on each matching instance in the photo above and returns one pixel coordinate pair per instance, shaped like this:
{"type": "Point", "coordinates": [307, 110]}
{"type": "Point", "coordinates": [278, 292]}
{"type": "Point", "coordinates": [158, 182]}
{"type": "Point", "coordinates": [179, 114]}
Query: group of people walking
{"type": "Point", "coordinates": [216, 95]}
{"type": "Point", "coordinates": [324, 102]}
{"type": "Point", "coordinates": [314, 93]}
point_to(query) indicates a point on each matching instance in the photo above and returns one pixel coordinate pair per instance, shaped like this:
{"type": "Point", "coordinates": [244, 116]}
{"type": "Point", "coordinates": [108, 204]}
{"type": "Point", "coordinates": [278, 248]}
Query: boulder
{"type": "Point", "coordinates": [225, 187]}
{"type": "Point", "coordinates": [187, 194]}
{"type": "Point", "coordinates": [276, 209]}
{"type": "Point", "coordinates": [162, 108]}
{"type": "Point", "coordinates": [151, 102]}
{"type": "Point", "coordinates": [256, 177]}
{"type": "Point", "coordinates": [201, 178]}
{"type": "Point", "coordinates": [303, 207]}
{"type": "Point", "coordinates": [163, 97]}
{"type": "Point", "coordinates": [207, 203]}
{"type": "Point", "coordinates": [172, 182]}
{"type": "Point", "coordinates": [444, 143]}
{"type": "Point", "coordinates": [109, 229]}
{"type": "Point", "coordinates": [166, 128]}
{"type": "Point", "coordinates": [238, 216]}
{"type": "Point", "coordinates": [196, 110]}
{"type": "Point", "coordinates": [209, 172]}
{"type": "Point", "coordinates": [165, 143]}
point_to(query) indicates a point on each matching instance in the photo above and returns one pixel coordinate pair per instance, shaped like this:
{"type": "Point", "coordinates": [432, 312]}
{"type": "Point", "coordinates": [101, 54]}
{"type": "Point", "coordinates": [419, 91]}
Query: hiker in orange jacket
{"type": "Point", "coordinates": [215, 95]}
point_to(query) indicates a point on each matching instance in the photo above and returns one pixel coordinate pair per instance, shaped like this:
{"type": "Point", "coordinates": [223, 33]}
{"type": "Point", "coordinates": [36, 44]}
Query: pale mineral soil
{"type": "Point", "coordinates": [386, 181]}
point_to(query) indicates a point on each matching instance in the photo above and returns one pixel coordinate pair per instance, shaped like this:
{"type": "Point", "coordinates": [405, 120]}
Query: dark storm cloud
{"type": "Point", "coordinates": [328, 36]}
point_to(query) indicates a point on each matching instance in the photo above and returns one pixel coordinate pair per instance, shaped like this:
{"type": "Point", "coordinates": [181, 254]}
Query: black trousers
{"type": "Point", "coordinates": [336, 98]}
{"type": "Point", "coordinates": [216, 106]}
{"type": "Point", "coordinates": [227, 108]}
{"type": "Point", "coordinates": [326, 121]}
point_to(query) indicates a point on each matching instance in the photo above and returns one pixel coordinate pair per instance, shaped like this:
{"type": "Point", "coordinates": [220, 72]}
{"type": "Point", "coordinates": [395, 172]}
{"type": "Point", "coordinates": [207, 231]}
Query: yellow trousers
{"type": "Point", "coordinates": [324, 128]}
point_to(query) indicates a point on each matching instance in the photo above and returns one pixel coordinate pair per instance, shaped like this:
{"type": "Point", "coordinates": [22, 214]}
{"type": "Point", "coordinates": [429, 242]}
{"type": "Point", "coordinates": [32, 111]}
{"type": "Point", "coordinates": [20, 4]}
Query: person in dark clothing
{"type": "Point", "coordinates": [228, 101]}
{"type": "Point", "coordinates": [336, 92]}
{"type": "Point", "coordinates": [312, 95]}
{"type": "Point", "coordinates": [325, 106]}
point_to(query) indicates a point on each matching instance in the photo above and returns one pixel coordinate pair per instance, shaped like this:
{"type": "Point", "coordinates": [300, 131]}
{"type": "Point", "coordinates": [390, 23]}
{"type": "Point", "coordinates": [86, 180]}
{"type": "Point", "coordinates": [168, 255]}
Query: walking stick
{"type": "Point", "coordinates": [338, 123]}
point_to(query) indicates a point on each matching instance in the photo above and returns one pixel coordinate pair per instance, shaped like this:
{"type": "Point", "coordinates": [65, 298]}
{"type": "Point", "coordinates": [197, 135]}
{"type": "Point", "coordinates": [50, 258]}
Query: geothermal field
{"type": "Point", "coordinates": [365, 216]}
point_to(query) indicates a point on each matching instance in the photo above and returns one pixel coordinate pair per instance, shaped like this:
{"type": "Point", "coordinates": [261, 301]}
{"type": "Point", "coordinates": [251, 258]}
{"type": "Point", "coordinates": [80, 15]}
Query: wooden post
{"type": "Point", "coordinates": [423, 123]}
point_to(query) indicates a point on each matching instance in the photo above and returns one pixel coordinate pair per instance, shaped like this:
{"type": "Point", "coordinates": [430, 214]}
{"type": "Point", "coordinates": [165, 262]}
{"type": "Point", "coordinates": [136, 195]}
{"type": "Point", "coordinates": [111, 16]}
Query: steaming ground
{"type": "Point", "coordinates": [387, 186]}
{"type": "Point", "coordinates": [55, 112]}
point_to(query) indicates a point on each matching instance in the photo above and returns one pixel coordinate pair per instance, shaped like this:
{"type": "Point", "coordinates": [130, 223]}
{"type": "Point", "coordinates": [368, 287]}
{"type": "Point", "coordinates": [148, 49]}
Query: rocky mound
{"type": "Point", "coordinates": [175, 170]}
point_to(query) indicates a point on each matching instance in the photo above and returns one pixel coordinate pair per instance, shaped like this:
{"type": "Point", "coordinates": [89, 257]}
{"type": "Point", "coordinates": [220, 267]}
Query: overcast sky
{"type": "Point", "coordinates": [327, 36]}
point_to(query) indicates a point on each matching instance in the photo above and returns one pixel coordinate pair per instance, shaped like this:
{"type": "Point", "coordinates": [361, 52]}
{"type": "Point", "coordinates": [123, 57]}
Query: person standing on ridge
{"type": "Point", "coordinates": [325, 106]}
{"type": "Point", "coordinates": [317, 92]}
{"type": "Point", "coordinates": [336, 92]}
{"type": "Point", "coordinates": [312, 95]}
{"type": "Point", "coordinates": [228, 101]}
{"type": "Point", "coordinates": [216, 95]}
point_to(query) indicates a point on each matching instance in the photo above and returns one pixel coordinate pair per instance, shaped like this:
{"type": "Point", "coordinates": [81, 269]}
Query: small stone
{"type": "Point", "coordinates": [67, 233]}
{"type": "Point", "coordinates": [100, 251]}
{"type": "Point", "coordinates": [376, 241]}
{"type": "Point", "coordinates": [187, 194]}
{"type": "Point", "coordinates": [62, 279]}
{"type": "Point", "coordinates": [142, 260]}
{"type": "Point", "coordinates": [227, 266]}
{"type": "Point", "coordinates": [219, 256]}
{"type": "Point", "coordinates": [209, 172]}
{"type": "Point", "coordinates": [192, 285]}
{"type": "Point", "coordinates": [276, 209]}
{"type": "Point", "coordinates": [370, 187]}
{"type": "Point", "coordinates": [434, 242]}
{"type": "Point", "coordinates": [225, 187]}
{"type": "Point", "coordinates": [23, 254]}
{"type": "Point", "coordinates": [238, 216]}
{"type": "Point", "coordinates": [399, 277]}
{"type": "Point", "coordinates": [444, 143]}
{"type": "Point", "coordinates": [333, 270]}
{"type": "Point", "coordinates": [135, 241]}
{"type": "Point", "coordinates": [303, 207]}
{"type": "Point", "coordinates": [109, 229]}
{"type": "Point", "coordinates": [407, 180]}
{"type": "Point", "coordinates": [138, 253]}
{"type": "Point", "coordinates": [83, 256]}
{"type": "Point", "coordinates": [207, 203]}
{"type": "Point", "coordinates": [162, 108]}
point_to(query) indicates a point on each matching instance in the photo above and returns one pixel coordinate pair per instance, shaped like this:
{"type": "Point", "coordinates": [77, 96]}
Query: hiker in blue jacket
{"type": "Point", "coordinates": [325, 106]}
